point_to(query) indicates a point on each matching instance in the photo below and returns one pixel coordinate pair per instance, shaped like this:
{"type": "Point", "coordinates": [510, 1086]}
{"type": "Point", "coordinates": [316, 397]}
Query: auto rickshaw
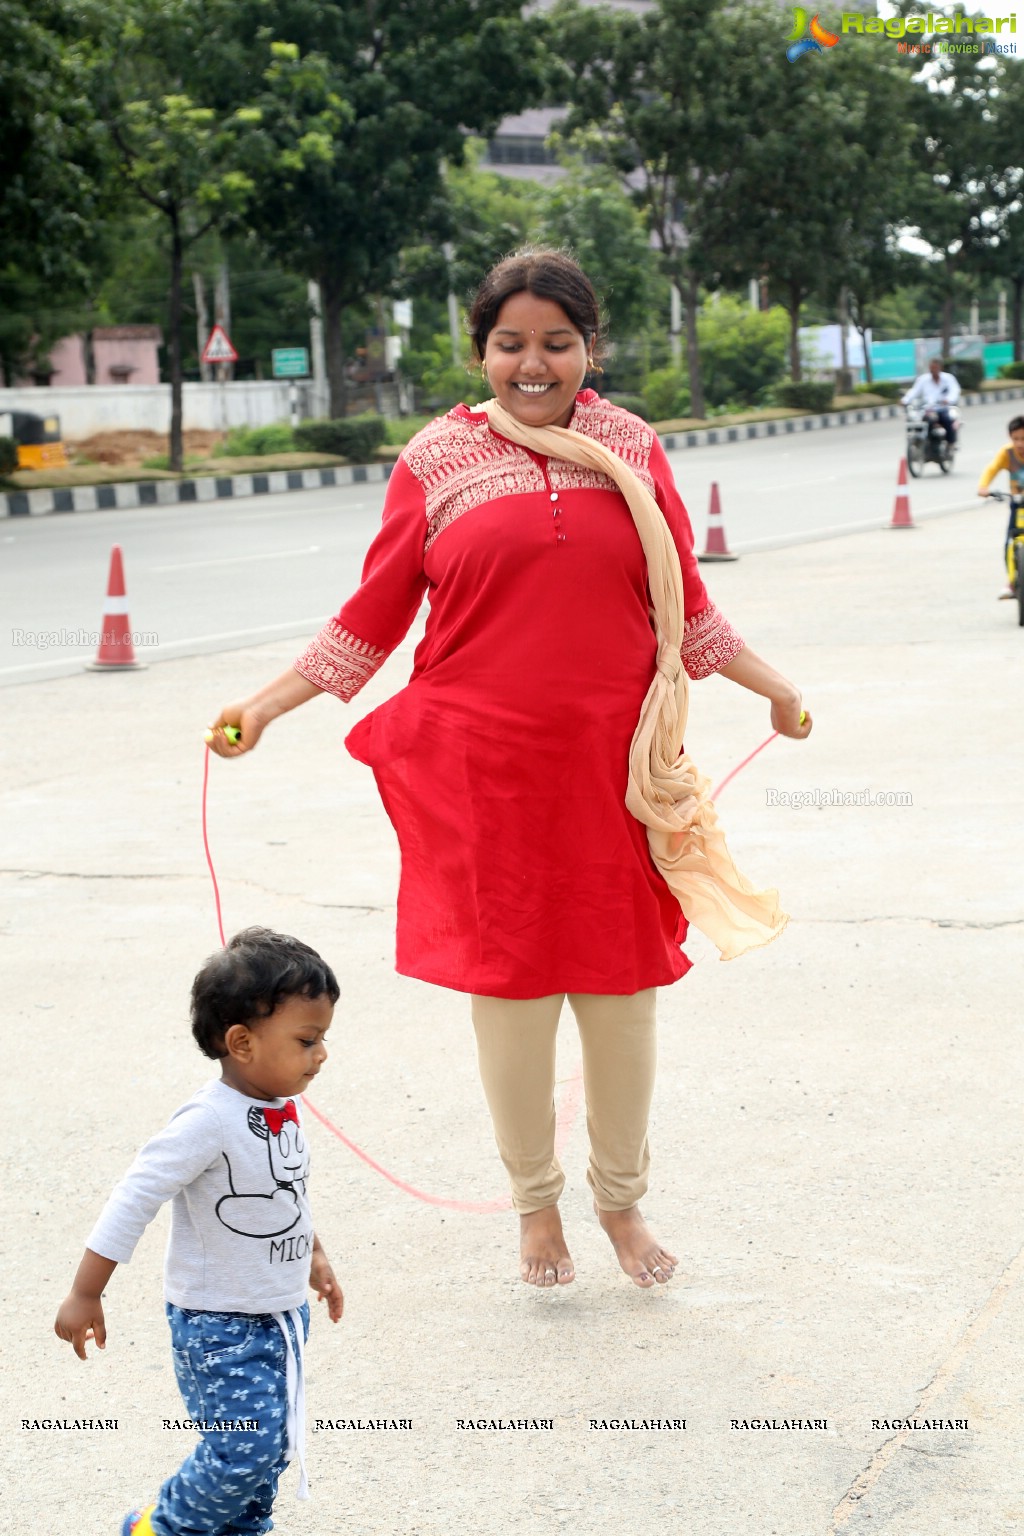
{"type": "Point", "coordinates": [38, 439]}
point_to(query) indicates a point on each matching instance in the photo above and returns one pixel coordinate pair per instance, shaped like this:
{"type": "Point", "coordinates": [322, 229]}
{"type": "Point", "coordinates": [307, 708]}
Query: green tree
{"type": "Point", "coordinates": [655, 87]}
{"type": "Point", "coordinates": [589, 210]}
{"type": "Point", "coordinates": [269, 307]}
{"type": "Point", "coordinates": [1007, 259]}
{"type": "Point", "coordinates": [414, 78]}
{"type": "Point", "coordinates": [962, 159]}
{"type": "Point", "coordinates": [816, 189]}
{"type": "Point", "coordinates": [52, 197]}
{"type": "Point", "coordinates": [743, 350]}
{"type": "Point", "coordinates": [185, 152]}
{"type": "Point", "coordinates": [487, 216]}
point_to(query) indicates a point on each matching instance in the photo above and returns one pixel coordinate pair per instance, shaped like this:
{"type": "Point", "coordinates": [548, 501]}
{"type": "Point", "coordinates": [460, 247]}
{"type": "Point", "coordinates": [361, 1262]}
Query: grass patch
{"type": "Point", "coordinates": [129, 474]}
{"type": "Point", "coordinates": [265, 464]}
{"type": "Point", "coordinates": [698, 423]}
{"type": "Point", "coordinates": [83, 474]}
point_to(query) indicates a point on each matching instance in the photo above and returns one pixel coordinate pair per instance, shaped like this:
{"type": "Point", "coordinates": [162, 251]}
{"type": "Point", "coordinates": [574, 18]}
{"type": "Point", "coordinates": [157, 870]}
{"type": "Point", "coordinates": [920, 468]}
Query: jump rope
{"type": "Point", "coordinates": [573, 1095]}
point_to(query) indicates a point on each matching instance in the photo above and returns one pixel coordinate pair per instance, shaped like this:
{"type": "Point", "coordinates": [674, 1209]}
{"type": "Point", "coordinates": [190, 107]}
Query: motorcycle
{"type": "Point", "coordinates": [926, 439]}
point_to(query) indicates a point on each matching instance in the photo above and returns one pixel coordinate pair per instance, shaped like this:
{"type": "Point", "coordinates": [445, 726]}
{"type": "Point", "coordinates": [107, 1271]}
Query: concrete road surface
{"type": "Point", "coordinates": [838, 1140]}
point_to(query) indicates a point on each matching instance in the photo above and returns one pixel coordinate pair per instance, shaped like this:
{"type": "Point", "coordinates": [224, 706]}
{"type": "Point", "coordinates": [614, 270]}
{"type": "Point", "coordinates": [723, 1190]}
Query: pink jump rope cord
{"type": "Point", "coordinates": [573, 1089]}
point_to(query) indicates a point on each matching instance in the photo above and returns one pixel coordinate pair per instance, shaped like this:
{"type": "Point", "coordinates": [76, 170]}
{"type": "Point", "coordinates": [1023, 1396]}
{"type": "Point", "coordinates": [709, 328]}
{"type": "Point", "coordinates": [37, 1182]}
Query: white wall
{"type": "Point", "coordinates": [123, 407]}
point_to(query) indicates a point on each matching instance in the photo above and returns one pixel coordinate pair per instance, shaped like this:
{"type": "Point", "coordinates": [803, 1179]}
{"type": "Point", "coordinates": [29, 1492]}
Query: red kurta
{"type": "Point", "coordinates": [502, 764]}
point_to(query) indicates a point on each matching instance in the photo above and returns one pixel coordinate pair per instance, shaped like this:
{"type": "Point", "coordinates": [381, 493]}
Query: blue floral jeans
{"type": "Point", "coordinates": [230, 1367]}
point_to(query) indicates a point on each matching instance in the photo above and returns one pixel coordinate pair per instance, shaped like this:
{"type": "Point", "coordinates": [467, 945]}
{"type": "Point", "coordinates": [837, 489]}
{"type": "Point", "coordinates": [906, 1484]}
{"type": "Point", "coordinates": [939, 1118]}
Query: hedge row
{"type": "Point", "coordinates": [969, 372]}
{"type": "Point", "coordinates": [352, 437]}
{"type": "Point", "coordinates": [804, 394]}
{"type": "Point", "coordinates": [886, 389]}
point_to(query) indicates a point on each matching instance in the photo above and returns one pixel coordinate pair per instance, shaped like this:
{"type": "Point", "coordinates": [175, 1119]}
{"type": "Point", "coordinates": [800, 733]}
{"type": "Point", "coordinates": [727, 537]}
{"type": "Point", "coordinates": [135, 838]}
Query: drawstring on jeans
{"type": "Point", "coordinates": [295, 1383]}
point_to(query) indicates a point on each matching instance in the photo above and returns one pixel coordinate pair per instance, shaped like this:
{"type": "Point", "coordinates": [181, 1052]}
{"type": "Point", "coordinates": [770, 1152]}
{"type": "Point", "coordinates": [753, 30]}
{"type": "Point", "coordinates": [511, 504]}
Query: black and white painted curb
{"type": "Point", "coordinates": [792, 425]}
{"type": "Point", "coordinates": [165, 493]}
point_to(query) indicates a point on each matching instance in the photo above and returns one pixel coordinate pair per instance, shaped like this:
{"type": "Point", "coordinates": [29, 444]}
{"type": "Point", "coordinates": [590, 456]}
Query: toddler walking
{"type": "Point", "coordinates": [234, 1163]}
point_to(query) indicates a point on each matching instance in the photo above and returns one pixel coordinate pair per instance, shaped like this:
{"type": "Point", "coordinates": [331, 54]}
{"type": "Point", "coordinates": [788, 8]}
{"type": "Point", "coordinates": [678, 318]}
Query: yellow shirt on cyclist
{"type": "Point", "coordinates": [1012, 462]}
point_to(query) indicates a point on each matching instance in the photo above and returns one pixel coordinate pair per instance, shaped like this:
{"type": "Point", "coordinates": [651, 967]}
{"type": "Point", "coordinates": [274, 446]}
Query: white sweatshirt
{"type": "Point", "coordinates": [235, 1170]}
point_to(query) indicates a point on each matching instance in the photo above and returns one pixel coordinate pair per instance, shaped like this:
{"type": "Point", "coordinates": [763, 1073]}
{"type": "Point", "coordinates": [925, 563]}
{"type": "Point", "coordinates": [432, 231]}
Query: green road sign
{"type": "Point", "coordinates": [290, 362]}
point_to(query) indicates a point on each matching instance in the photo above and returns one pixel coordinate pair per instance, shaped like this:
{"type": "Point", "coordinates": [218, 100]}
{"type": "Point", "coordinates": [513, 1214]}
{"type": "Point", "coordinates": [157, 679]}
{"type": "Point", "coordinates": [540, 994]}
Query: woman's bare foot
{"type": "Point", "coordinates": [642, 1257]}
{"type": "Point", "coordinates": [544, 1257]}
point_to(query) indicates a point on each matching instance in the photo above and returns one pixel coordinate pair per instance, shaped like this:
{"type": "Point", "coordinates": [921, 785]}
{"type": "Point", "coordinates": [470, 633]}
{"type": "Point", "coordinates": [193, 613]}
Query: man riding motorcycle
{"type": "Point", "coordinates": [936, 391]}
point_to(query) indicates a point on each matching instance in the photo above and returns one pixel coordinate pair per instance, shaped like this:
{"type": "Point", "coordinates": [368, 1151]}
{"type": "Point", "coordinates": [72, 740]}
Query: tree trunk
{"type": "Point", "coordinates": [1018, 315]}
{"type": "Point", "coordinates": [862, 332]}
{"type": "Point", "coordinates": [691, 304]}
{"type": "Point", "coordinates": [795, 301]}
{"type": "Point", "coordinates": [844, 353]}
{"type": "Point", "coordinates": [202, 325]}
{"type": "Point", "coordinates": [175, 456]}
{"type": "Point", "coordinates": [334, 346]}
{"type": "Point", "coordinates": [947, 323]}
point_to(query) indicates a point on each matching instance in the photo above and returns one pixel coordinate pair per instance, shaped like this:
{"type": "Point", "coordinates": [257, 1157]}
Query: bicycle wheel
{"type": "Point", "coordinates": [915, 456]}
{"type": "Point", "coordinates": [1019, 554]}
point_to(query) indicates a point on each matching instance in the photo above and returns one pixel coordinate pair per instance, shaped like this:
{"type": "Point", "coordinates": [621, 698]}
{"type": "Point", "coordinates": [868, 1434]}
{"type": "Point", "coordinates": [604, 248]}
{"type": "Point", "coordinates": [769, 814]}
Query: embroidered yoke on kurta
{"type": "Point", "coordinates": [502, 764]}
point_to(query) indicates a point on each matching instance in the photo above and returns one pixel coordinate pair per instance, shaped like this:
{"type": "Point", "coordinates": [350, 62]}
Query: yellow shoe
{"type": "Point", "coordinates": [138, 1522]}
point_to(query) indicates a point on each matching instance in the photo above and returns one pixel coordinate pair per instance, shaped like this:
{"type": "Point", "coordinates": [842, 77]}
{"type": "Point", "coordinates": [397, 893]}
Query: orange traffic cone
{"type": "Point", "coordinates": [901, 510]}
{"type": "Point", "coordinates": [116, 652]}
{"type": "Point", "coordinates": [717, 549]}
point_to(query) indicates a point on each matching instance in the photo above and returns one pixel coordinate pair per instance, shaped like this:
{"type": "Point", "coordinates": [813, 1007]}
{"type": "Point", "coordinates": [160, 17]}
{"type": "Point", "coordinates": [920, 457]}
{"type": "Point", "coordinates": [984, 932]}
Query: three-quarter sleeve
{"type": "Point", "coordinates": [709, 640]}
{"type": "Point", "coordinates": [352, 646]}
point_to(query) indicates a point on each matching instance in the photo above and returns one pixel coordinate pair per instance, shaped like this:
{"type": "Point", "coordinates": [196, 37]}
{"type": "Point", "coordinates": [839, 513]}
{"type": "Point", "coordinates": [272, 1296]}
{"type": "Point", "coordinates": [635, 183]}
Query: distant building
{"type": "Point", "coordinates": [519, 147]}
{"type": "Point", "coordinates": [108, 354]}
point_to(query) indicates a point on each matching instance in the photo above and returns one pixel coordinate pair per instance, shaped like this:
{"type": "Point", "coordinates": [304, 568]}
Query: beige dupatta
{"type": "Point", "coordinates": [665, 790]}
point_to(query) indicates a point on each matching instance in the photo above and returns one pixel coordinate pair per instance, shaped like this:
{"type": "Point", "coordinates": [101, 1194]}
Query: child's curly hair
{"type": "Point", "coordinates": [248, 979]}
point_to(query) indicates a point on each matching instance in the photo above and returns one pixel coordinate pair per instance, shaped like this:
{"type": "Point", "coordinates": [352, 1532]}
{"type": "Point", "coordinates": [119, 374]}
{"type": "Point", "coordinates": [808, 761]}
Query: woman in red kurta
{"type": "Point", "coordinates": [523, 878]}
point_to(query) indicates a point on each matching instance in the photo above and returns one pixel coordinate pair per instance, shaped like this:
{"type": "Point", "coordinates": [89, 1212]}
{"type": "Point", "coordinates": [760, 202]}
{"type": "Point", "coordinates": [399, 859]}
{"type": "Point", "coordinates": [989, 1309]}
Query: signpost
{"type": "Point", "coordinates": [218, 347]}
{"type": "Point", "coordinates": [291, 363]}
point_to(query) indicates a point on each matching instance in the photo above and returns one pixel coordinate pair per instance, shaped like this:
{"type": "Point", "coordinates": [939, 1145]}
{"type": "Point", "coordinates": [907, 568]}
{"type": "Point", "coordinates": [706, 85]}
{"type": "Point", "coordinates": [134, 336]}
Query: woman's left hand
{"type": "Point", "coordinates": [789, 717]}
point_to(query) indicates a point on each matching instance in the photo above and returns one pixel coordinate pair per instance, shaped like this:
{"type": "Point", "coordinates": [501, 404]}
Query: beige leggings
{"type": "Point", "coordinates": [516, 1048]}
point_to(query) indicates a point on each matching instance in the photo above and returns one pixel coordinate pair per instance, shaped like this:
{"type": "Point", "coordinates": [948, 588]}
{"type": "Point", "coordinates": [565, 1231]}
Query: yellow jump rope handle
{"type": "Point", "coordinates": [232, 733]}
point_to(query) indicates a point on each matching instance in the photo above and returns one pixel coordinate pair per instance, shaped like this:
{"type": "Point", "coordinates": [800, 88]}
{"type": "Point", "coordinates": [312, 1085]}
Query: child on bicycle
{"type": "Point", "coordinates": [1010, 458]}
{"type": "Point", "coordinates": [233, 1160]}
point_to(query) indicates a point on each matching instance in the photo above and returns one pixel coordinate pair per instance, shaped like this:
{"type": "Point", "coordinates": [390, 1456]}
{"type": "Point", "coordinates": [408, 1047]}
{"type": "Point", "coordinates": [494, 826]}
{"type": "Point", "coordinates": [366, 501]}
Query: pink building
{"type": "Point", "coordinates": [120, 354]}
{"type": "Point", "coordinates": [126, 354]}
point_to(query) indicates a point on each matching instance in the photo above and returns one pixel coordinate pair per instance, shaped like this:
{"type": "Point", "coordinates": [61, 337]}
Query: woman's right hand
{"type": "Point", "coordinates": [251, 716]}
{"type": "Point", "coordinates": [247, 718]}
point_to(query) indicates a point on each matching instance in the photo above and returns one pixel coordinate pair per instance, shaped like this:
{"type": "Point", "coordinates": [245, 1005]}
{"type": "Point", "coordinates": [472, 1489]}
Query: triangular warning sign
{"type": "Point", "coordinates": [218, 347]}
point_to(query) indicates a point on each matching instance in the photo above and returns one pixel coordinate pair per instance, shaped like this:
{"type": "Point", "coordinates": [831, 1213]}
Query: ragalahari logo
{"type": "Point", "coordinates": [818, 39]}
